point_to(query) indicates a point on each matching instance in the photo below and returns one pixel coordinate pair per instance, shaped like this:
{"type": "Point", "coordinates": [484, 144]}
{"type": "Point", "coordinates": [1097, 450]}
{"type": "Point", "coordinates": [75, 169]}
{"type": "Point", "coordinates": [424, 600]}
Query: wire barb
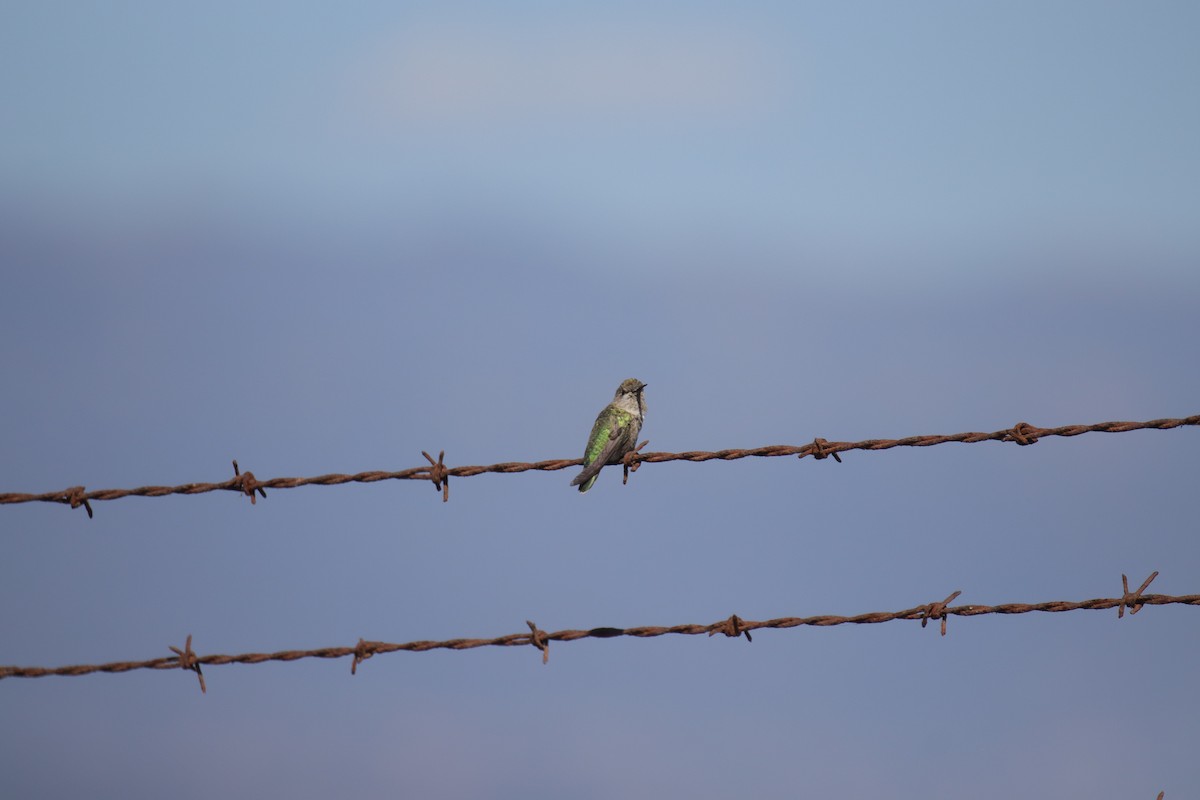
{"type": "Point", "coordinates": [732, 627]}
{"type": "Point", "coordinates": [537, 638]}
{"type": "Point", "coordinates": [938, 611]}
{"type": "Point", "coordinates": [362, 651]}
{"type": "Point", "coordinates": [820, 450]}
{"type": "Point", "coordinates": [246, 483]}
{"type": "Point", "coordinates": [633, 460]}
{"type": "Point", "coordinates": [439, 474]}
{"type": "Point", "coordinates": [76, 496]}
{"type": "Point", "coordinates": [1022, 433]}
{"type": "Point", "coordinates": [1132, 601]}
{"type": "Point", "coordinates": [187, 660]}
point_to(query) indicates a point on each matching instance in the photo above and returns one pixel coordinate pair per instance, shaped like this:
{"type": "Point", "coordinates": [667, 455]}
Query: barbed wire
{"type": "Point", "coordinates": [733, 626]}
{"type": "Point", "coordinates": [246, 483]}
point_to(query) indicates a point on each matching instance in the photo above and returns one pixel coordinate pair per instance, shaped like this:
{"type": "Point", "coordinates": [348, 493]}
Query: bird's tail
{"type": "Point", "coordinates": [588, 475]}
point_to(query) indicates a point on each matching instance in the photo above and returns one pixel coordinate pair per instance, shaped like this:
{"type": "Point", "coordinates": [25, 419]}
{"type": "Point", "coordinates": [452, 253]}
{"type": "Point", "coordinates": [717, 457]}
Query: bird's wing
{"type": "Point", "coordinates": [609, 442]}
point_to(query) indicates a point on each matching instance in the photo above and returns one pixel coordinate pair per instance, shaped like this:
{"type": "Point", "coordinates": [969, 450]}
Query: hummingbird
{"type": "Point", "coordinates": [615, 432]}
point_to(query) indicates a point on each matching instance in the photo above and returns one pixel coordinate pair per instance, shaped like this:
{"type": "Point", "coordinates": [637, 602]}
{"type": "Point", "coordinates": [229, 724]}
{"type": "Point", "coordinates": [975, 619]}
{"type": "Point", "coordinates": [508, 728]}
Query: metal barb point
{"type": "Point", "coordinates": [362, 651]}
{"type": "Point", "coordinates": [537, 638]}
{"type": "Point", "coordinates": [76, 497]}
{"type": "Point", "coordinates": [820, 450]}
{"type": "Point", "coordinates": [439, 474]}
{"type": "Point", "coordinates": [731, 627]}
{"type": "Point", "coordinates": [1132, 601]}
{"type": "Point", "coordinates": [938, 611]}
{"type": "Point", "coordinates": [188, 660]}
{"type": "Point", "coordinates": [632, 461]}
{"type": "Point", "coordinates": [247, 484]}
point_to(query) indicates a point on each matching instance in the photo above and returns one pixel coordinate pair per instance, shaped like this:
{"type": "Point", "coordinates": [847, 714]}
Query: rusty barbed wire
{"type": "Point", "coordinates": [733, 626]}
{"type": "Point", "coordinates": [439, 474]}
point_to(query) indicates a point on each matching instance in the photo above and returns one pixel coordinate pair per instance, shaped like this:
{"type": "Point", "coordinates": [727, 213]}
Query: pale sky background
{"type": "Point", "coordinates": [322, 239]}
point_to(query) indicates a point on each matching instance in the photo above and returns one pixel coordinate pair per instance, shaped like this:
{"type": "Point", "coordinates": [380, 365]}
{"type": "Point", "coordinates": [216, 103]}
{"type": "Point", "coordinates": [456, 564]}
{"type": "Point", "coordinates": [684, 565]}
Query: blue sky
{"type": "Point", "coordinates": [319, 240]}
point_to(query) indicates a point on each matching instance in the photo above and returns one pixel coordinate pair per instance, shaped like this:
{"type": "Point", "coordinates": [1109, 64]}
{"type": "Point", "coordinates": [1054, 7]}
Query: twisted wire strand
{"type": "Point", "coordinates": [437, 472]}
{"type": "Point", "coordinates": [733, 626]}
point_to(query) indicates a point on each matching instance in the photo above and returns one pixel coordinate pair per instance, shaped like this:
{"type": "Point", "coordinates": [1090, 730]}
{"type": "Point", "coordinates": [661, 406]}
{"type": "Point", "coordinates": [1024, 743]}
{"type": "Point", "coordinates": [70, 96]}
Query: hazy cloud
{"type": "Point", "coordinates": [463, 73]}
